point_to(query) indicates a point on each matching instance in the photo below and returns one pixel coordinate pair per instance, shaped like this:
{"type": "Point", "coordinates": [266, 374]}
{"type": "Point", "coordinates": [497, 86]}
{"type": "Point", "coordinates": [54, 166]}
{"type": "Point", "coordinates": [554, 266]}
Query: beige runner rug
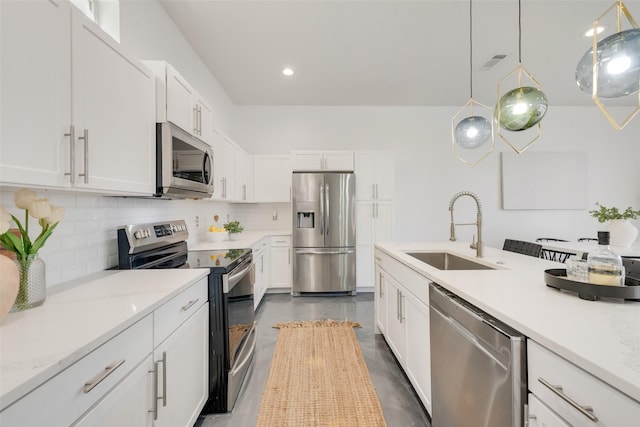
{"type": "Point", "coordinates": [318, 378]}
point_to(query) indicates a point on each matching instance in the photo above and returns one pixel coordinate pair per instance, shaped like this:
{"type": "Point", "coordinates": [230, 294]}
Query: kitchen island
{"type": "Point", "coordinates": [600, 337]}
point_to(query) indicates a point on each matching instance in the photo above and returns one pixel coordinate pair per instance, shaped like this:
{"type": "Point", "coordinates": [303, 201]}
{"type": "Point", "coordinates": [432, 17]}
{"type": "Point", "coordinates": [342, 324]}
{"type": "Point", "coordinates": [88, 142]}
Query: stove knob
{"type": "Point", "coordinates": [174, 228]}
{"type": "Point", "coordinates": [147, 233]}
{"type": "Point", "coordinates": [137, 234]}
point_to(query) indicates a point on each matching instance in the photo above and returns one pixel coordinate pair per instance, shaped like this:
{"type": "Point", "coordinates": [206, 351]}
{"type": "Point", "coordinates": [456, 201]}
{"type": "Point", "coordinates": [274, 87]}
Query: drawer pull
{"type": "Point", "coordinates": [90, 385]}
{"type": "Point", "coordinates": [587, 411]}
{"type": "Point", "coordinates": [190, 304]}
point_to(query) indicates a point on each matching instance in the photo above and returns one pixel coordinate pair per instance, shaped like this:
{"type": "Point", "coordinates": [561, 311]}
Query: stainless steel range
{"type": "Point", "coordinates": [232, 335]}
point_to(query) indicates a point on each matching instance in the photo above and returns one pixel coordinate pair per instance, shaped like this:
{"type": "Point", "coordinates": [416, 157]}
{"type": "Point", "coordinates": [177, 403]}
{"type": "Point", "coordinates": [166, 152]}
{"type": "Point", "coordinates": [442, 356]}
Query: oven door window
{"type": "Point", "coordinates": [190, 163]}
{"type": "Point", "coordinates": [241, 314]}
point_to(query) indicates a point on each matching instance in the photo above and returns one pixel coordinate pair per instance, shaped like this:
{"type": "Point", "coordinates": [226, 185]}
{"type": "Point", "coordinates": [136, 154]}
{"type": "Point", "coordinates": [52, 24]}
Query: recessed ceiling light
{"type": "Point", "coordinates": [599, 29]}
{"type": "Point", "coordinates": [287, 71]}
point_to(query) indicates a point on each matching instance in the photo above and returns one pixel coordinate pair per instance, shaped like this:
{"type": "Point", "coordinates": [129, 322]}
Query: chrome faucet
{"type": "Point", "coordinates": [479, 245]}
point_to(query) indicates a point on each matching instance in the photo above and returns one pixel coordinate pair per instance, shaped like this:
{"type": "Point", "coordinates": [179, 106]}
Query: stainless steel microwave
{"type": "Point", "coordinates": [184, 164]}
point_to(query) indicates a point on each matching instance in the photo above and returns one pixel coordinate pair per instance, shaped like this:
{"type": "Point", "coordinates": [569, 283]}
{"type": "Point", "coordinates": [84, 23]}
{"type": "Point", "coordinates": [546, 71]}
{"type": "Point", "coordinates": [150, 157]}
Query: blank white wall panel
{"type": "Point", "coordinates": [544, 180]}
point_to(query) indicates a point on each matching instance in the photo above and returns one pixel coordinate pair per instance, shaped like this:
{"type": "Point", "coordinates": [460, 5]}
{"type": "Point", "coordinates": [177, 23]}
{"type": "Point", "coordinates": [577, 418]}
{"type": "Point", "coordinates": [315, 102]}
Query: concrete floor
{"type": "Point", "coordinates": [400, 405]}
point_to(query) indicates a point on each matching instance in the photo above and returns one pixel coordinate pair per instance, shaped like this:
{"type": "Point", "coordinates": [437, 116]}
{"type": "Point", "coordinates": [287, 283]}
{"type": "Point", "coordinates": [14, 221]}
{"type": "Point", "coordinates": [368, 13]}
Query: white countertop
{"type": "Point", "coordinates": [39, 343]}
{"type": "Point", "coordinates": [632, 251]}
{"type": "Point", "coordinates": [246, 239]}
{"type": "Point", "coordinates": [602, 337]}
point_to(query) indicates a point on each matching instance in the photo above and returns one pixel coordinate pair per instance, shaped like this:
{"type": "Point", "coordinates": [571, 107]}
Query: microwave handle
{"type": "Point", "coordinates": [206, 161]}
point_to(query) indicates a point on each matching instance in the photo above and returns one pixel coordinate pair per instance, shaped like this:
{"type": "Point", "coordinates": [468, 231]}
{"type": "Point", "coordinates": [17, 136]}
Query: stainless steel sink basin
{"type": "Point", "coordinates": [447, 261]}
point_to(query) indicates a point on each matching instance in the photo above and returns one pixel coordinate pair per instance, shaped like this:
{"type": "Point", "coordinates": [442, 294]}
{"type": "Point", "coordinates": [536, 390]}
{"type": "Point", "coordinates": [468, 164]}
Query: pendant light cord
{"type": "Point", "coordinates": [519, 32]}
{"type": "Point", "coordinates": [470, 50]}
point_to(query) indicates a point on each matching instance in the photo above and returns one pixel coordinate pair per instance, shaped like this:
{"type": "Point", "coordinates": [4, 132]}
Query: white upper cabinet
{"type": "Point", "coordinates": [272, 179]}
{"type": "Point", "coordinates": [243, 176]}
{"type": "Point", "coordinates": [375, 175]}
{"type": "Point", "coordinates": [179, 103]}
{"type": "Point", "coordinates": [36, 105]}
{"type": "Point", "coordinates": [88, 121]}
{"type": "Point", "coordinates": [323, 161]}
{"type": "Point", "coordinates": [223, 167]}
{"type": "Point", "coordinates": [112, 106]}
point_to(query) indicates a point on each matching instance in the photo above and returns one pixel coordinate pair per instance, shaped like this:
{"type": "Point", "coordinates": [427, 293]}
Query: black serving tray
{"type": "Point", "coordinates": [557, 278]}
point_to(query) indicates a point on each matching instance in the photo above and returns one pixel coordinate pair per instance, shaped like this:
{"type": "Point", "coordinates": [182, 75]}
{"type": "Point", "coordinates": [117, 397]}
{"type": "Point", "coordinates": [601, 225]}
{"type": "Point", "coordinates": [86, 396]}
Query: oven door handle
{"type": "Point", "coordinates": [242, 349]}
{"type": "Point", "coordinates": [234, 278]}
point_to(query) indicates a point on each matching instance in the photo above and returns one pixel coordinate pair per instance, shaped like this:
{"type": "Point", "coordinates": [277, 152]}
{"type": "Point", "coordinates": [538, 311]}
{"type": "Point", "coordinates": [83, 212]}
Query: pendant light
{"type": "Point", "coordinates": [472, 126]}
{"type": "Point", "coordinates": [521, 108]}
{"type": "Point", "coordinates": [611, 67]}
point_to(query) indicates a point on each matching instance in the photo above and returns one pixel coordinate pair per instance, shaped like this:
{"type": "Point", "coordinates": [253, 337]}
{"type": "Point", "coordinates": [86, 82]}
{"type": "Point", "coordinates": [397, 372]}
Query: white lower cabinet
{"type": "Point", "coordinates": [127, 404]}
{"type": "Point", "coordinates": [261, 261]}
{"type": "Point", "coordinates": [402, 316]}
{"type": "Point", "coordinates": [539, 415]}
{"type": "Point", "coordinates": [381, 295]}
{"type": "Point", "coordinates": [155, 372]}
{"type": "Point", "coordinates": [181, 363]}
{"type": "Point", "coordinates": [68, 395]}
{"type": "Point", "coordinates": [375, 221]}
{"type": "Point", "coordinates": [576, 396]}
{"type": "Point", "coordinates": [281, 262]}
{"type": "Point", "coordinates": [418, 351]}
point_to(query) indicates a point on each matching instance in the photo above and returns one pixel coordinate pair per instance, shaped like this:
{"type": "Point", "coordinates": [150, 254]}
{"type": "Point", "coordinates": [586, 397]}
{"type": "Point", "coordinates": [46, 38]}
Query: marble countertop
{"type": "Point", "coordinates": [246, 239]}
{"type": "Point", "coordinates": [39, 343]}
{"type": "Point", "coordinates": [602, 337]}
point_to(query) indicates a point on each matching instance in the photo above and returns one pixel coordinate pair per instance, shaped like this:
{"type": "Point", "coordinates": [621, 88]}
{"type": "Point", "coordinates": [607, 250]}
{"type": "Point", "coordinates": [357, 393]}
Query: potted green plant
{"type": "Point", "coordinates": [622, 232]}
{"type": "Point", "coordinates": [234, 228]}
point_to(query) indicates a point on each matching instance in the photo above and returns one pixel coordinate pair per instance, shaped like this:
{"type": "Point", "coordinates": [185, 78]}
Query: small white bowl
{"type": "Point", "coordinates": [217, 236]}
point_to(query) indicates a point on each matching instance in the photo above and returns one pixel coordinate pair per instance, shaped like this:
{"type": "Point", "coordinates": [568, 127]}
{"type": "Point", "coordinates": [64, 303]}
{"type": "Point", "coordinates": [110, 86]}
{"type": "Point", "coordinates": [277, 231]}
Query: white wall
{"type": "Point", "coordinates": [427, 175]}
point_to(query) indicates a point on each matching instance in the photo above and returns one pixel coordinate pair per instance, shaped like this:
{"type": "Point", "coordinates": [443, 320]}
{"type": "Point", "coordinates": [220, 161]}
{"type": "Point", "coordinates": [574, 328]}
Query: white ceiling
{"type": "Point", "coordinates": [387, 53]}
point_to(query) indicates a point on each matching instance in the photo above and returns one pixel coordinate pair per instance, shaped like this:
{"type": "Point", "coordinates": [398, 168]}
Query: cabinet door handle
{"type": "Point", "coordinates": [72, 154]}
{"type": "Point", "coordinates": [195, 119]}
{"type": "Point", "coordinates": [190, 304]}
{"type": "Point", "coordinates": [397, 304]}
{"type": "Point", "coordinates": [402, 307]}
{"type": "Point", "coordinates": [199, 120]}
{"type": "Point", "coordinates": [154, 408]}
{"type": "Point", "coordinates": [587, 411]}
{"type": "Point", "coordinates": [376, 187]}
{"type": "Point", "coordinates": [85, 138]}
{"type": "Point", "coordinates": [289, 255]}
{"type": "Point", "coordinates": [164, 379]}
{"type": "Point", "coordinates": [108, 370]}
{"type": "Point", "coordinates": [380, 292]}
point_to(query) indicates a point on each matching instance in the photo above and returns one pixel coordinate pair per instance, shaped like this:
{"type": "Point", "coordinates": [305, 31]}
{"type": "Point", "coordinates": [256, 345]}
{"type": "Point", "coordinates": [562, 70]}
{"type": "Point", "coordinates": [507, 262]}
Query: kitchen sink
{"type": "Point", "coordinates": [447, 261]}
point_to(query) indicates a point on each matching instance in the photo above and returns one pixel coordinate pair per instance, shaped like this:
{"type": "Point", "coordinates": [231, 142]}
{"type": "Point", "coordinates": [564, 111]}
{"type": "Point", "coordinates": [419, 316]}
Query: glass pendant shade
{"type": "Point", "coordinates": [521, 108]}
{"type": "Point", "coordinates": [472, 132]}
{"type": "Point", "coordinates": [618, 66]}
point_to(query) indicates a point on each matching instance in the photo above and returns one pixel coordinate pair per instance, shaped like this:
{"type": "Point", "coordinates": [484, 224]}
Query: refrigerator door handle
{"type": "Point", "coordinates": [328, 218]}
{"type": "Point", "coordinates": [316, 252]}
{"type": "Point", "coordinates": [321, 209]}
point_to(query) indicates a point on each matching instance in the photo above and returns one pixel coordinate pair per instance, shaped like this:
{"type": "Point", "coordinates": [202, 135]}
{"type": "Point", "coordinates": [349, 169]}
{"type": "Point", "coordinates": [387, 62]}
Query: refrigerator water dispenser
{"type": "Point", "coordinates": [305, 220]}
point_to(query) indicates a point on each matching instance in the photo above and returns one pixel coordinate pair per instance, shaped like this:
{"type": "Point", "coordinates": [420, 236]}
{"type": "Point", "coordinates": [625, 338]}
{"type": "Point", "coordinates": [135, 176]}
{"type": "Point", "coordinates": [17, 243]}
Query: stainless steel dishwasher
{"type": "Point", "coordinates": [478, 367]}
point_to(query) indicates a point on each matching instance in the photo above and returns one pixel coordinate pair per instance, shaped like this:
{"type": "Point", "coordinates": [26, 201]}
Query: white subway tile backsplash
{"type": "Point", "coordinates": [85, 242]}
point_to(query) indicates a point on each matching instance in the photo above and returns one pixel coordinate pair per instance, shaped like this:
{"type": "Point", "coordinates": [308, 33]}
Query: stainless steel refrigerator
{"type": "Point", "coordinates": [324, 232]}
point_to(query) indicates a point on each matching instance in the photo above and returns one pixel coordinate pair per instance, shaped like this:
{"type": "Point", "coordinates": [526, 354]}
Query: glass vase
{"type": "Point", "coordinates": [32, 290]}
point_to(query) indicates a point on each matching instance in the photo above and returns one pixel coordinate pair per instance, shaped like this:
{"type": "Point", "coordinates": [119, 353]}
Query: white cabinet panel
{"type": "Point", "coordinates": [36, 104]}
{"type": "Point", "coordinates": [113, 109]}
{"type": "Point", "coordinates": [272, 179]}
{"type": "Point", "coordinates": [547, 371]}
{"type": "Point", "coordinates": [185, 360]}
{"type": "Point", "coordinates": [224, 166]}
{"type": "Point", "coordinates": [103, 369]}
{"type": "Point", "coordinates": [179, 103]}
{"type": "Point", "coordinates": [323, 161]}
{"type": "Point", "coordinates": [375, 175]}
{"type": "Point", "coordinates": [418, 358]}
{"type": "Point", "coordinates": [374, 223]}
{"type": "Point", "coordinates": [128, 404]}
{"type": "Point", "coordinates": [539, 415]}
{"type": "Point", "coordinates": [243, 175]}
{"type": "Point", "coordinates": [281, 262]}
{"type": "Point", "coordinates": [88, 121]}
